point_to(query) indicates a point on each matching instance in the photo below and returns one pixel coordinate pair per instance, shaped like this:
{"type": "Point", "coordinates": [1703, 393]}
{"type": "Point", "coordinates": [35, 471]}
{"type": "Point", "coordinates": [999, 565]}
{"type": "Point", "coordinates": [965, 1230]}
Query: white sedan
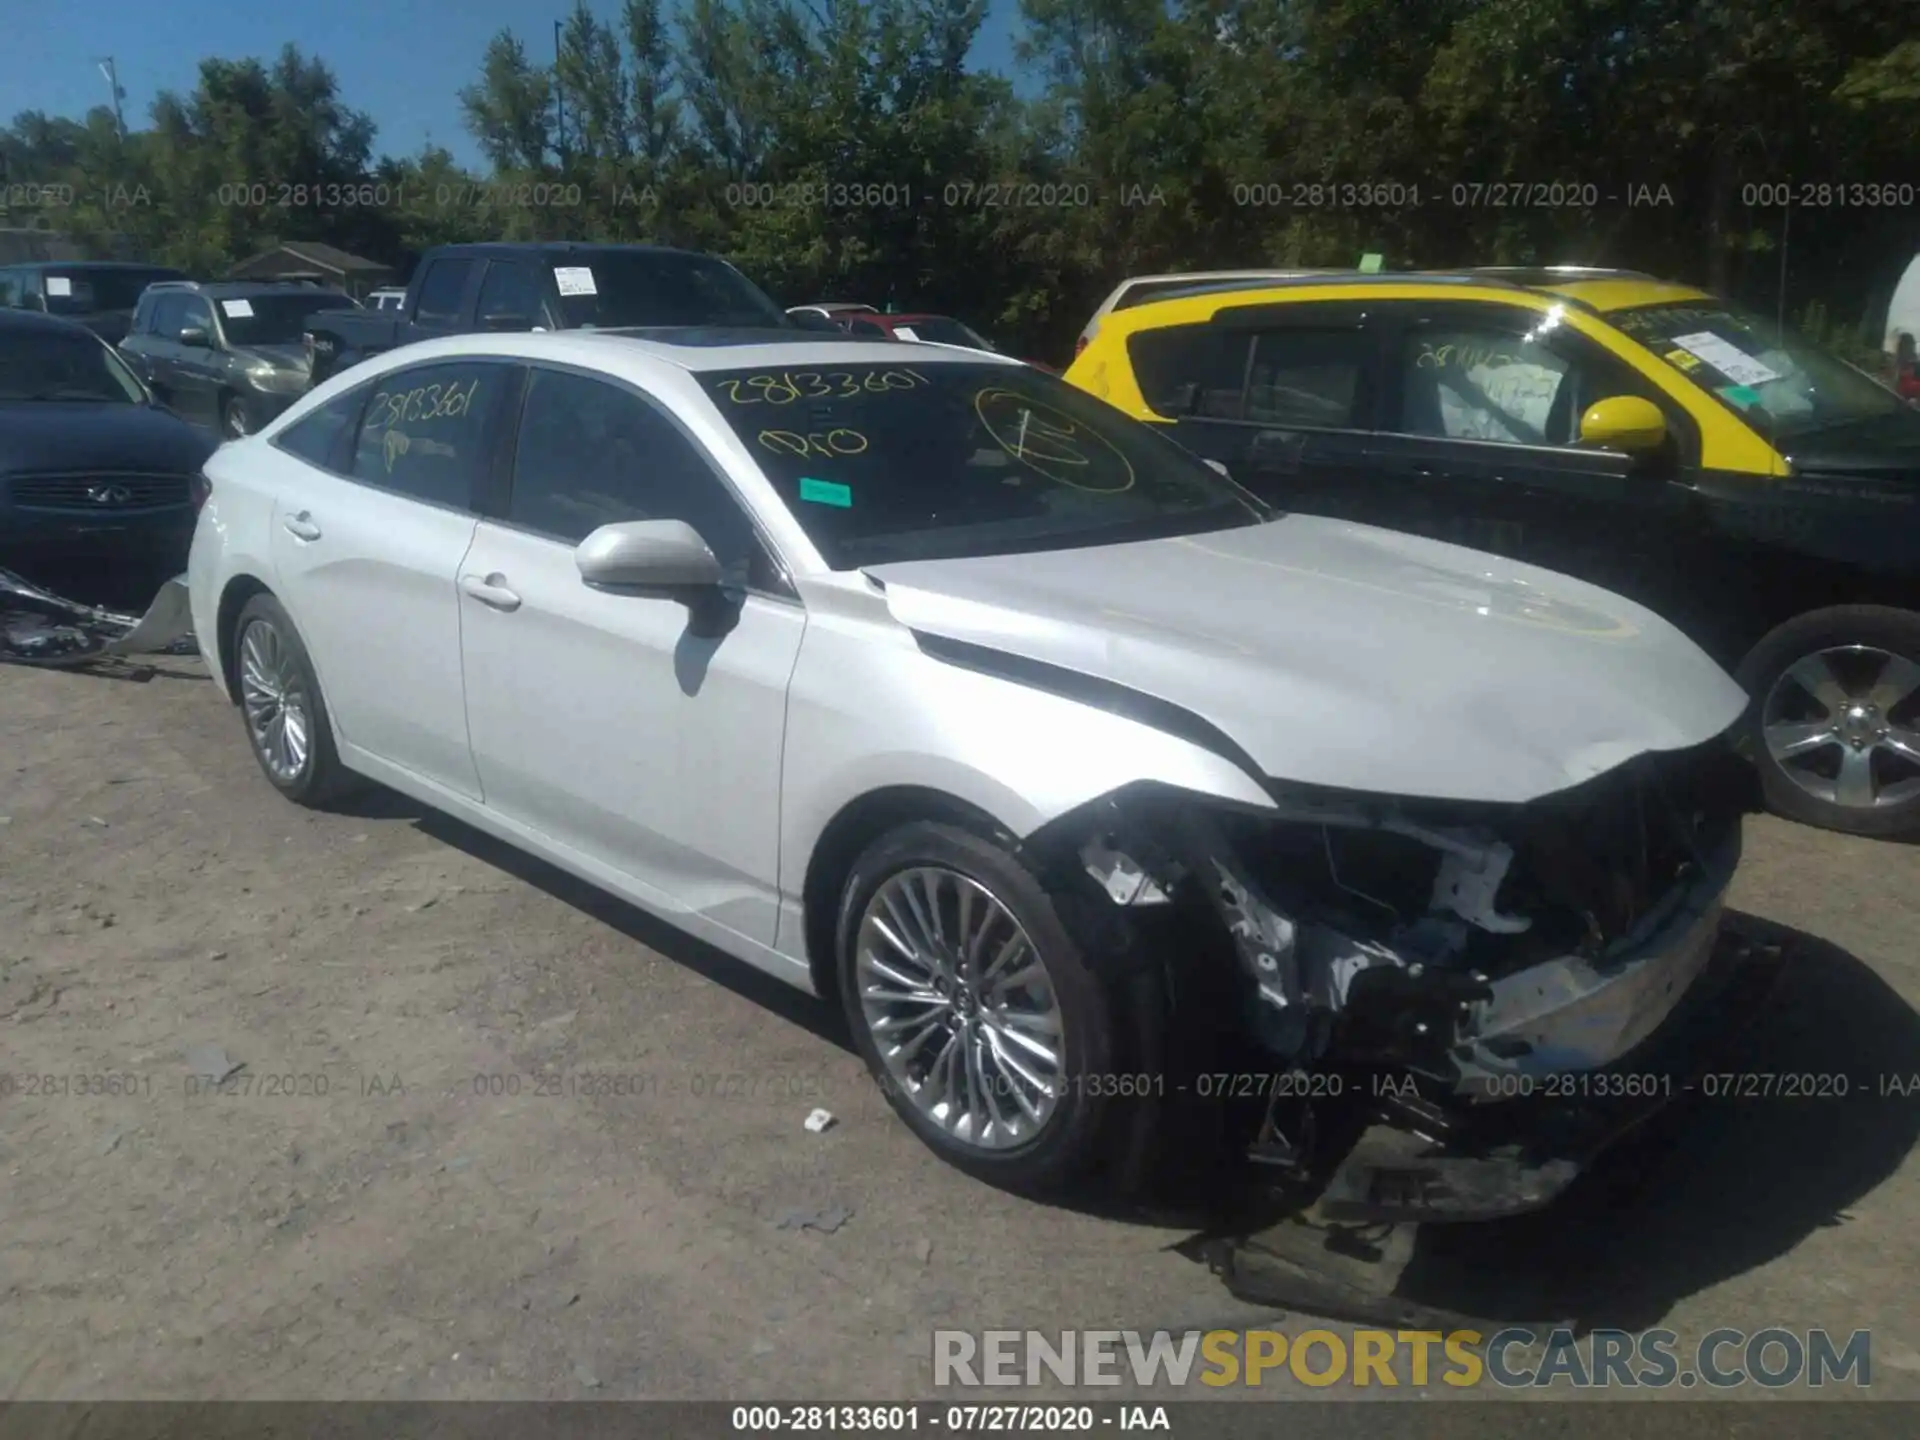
{"type": "Point", "coordinates": [929, 683]}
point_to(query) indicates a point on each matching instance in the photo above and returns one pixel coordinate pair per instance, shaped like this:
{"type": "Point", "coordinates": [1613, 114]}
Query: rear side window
{"type": "Point", "coordinates": [1191, 370]}
{"type": "Point", "coordinates": [321, 438]}
{"type": "Point", "coordinates": [424, 434]}
{"type": "Point", "coordinates": [441, 289]}
{"type": "Point", "coordinates": [1308, 378]}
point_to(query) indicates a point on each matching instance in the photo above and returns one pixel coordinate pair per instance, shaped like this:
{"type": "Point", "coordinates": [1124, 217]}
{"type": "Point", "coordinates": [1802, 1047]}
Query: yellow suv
{"type": "Point", "coordinates": [1761, 493]}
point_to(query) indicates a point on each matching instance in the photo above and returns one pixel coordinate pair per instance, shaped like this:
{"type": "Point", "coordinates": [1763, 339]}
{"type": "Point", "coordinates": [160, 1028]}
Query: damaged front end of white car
{"type": "Point", "coordinates": [1442, 1010]}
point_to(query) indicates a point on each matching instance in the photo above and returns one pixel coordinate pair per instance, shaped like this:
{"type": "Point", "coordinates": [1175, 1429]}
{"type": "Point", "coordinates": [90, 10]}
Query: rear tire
{"type": "Point", "coordinates": [281, 707]}
{"type": "Point", "coordinates": [930, 885]}
{"type": "Point", "coordinates": [1834, 725]}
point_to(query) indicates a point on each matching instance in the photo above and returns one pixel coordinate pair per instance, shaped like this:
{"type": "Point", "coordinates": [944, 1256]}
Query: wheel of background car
{"type": "Point", "coordinates": [1835, 720]}
{"type": "Point", "coordinates": [285, 714]}
{"type": "Point", "coordinates": [975, 1008]}
{"type": "Point", "coordinates": [233, 418]}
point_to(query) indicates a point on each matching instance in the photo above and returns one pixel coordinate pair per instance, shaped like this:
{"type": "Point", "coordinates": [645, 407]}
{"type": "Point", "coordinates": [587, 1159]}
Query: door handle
{"type": "Point", "coordinates": [301, 526]}
{"type": "Point", "coordinates": [491, 591]}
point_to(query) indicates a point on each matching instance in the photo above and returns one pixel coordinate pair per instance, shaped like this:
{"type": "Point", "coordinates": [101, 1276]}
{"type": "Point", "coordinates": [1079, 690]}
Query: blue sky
{"type": "Point", "coordinates": [402, 63]}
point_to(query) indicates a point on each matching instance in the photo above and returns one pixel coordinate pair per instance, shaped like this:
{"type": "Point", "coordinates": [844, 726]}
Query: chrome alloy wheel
{"type": "Point", "coordinates": [961, 1007]}
{"type": "Point", "coordinates": [279, 715]}
{"type": "Point", "coordinates": [1844, 725]}
{"type": "Point", "coordinates": [234, 421]}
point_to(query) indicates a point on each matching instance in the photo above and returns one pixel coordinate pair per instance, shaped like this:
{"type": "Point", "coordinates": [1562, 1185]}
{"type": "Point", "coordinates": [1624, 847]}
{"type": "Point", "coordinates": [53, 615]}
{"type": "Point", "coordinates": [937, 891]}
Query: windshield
{"type": "Point", "coordinates": [1781, 383]}
{"type": "Point", "coordinates": [939, 330]}
{"type": "Point", "coordinates": [88, 292]}
{"type": "Point", "coordinates": [274, 319]}
{"type": "Point", "coordinates": [607, 288]}
{"type": "Point", "coordinates": [904, 462]}
{"type": "Point", "coordinates": [49, 365]}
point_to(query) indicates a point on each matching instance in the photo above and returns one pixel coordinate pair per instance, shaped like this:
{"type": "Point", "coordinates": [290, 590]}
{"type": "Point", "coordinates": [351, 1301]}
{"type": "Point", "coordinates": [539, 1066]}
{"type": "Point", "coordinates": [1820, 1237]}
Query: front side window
{"type": "Point", "coordinates": [278, 319]}
{"type": "Point", "coordinates": [425, 429]}
{"type": "Point", "coordinates": [1780, 382]}
{"type": "Point", "coordinates": [1474, 384]}
{"type": "Point", "coordinates": [509, 296]}
{"type": "Point", "coordinates": [48, 365]}
{"type": "Point", "coordinates": [195, 314]}
{"type": "Point", "coordinates": [912, 461]}
{"type": "Point", "coordinates": [591, 453]}
{"type": "Point", "coordinates": [441, 291]}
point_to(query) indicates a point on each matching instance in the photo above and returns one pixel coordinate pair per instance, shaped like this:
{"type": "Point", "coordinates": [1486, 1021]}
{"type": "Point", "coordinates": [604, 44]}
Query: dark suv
{"type": "Point", "coordinates": [230, 354]}
{"type": "Point", "coordinates": [100, 294]}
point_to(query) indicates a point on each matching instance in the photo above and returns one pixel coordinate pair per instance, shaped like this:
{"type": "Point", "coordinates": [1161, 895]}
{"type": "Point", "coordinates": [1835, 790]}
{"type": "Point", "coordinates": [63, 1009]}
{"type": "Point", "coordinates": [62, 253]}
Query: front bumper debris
{"type": "Point", "coordinates": [40, 628]}
{"type": "Point", "coordinates": [1519, 1154]}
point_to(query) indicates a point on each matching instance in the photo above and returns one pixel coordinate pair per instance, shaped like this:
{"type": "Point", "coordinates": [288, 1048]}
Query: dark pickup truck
{"type": "Point", "coordinates": [459, 289]}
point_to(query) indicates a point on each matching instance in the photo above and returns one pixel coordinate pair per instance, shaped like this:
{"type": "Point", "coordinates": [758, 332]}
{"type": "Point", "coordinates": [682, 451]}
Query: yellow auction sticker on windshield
{"type": "Point", "coordinates": [1682, 360]}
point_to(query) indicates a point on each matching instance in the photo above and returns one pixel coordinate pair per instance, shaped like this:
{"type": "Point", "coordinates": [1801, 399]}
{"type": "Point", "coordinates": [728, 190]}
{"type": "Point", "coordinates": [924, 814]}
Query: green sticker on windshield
{"type": "Point", "coordinates": [825, 492]}
{"type": "Point", "coordinates": [1742, 395]}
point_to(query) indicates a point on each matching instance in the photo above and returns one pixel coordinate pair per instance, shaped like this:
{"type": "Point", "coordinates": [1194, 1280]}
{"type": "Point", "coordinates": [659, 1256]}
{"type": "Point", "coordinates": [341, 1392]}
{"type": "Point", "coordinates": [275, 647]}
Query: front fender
{"type": "Point", "coordinates": [863, 717]}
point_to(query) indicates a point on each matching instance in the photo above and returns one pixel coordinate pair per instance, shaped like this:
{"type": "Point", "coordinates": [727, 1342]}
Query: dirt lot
{"type": "Point", "coordinates": [399, 1206]}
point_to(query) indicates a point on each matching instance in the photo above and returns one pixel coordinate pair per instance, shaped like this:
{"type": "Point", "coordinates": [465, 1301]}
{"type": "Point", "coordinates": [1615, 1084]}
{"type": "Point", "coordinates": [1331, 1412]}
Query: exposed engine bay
{"type": "Point", "coordinates": [1459, 988]}
{"type": "Point", "coordinates": [38, 627]}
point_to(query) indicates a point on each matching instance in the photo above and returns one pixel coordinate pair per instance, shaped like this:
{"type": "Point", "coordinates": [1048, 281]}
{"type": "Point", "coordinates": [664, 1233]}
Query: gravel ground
{"type": "Point", "coordinates": [500, 1137]}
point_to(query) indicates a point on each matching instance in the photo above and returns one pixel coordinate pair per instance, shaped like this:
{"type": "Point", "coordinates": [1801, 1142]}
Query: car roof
{"type": "Point", "coordinates": [34, 320]}
{"type": "Point", "coordinates": [1594, 289]}
{"type": "Point", "coordinates": [84, 265]}
{"type": "Point", "coordinates": [507, 248]}
{"type": "Point", "coordinates": [233, 289]}
{"type": "Point", "coordinates": [694, 349]}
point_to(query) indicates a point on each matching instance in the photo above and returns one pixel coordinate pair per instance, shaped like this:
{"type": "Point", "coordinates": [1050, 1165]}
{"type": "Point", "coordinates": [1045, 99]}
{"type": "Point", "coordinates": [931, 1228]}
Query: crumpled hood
{"type": "Point", "coordinates": [1343, 655]}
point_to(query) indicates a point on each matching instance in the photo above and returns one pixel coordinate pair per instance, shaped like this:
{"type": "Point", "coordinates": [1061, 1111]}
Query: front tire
{"type": "Point", "coordinates": [1835, 721]}
{"type": "Point", "coordinates": [285, 715]}
{"type": "Point", "coordinates": [976, 1009]}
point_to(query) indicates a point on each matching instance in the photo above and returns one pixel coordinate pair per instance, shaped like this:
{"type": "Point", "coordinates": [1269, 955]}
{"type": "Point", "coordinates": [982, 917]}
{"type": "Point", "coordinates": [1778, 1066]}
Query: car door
{"type": "Point", "coordinates": [195, 370]}
{"type": "Point", "coordinates": [159, 347]}
{"type": "Point", "coordinates": [1282, 395]}
{"type": "Point", "coordinates": [367, 552]}
{"type": "Point", "coordinates": [1481, 445]}
{"type": "Point", "coordinates": [602, 720]}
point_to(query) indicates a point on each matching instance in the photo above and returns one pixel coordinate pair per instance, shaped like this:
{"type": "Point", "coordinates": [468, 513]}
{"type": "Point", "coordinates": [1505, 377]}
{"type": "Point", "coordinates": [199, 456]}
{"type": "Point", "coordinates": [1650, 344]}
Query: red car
{"type": "Point", "coordinates": [932, 329]}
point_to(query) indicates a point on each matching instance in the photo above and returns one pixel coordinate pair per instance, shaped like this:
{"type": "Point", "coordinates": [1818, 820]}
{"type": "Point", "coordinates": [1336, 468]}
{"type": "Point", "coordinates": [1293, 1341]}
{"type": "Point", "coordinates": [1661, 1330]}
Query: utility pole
{"type": "Point", "coordinates": [112, 75]}
{"type": "Point", "coordinates": [559, 104]}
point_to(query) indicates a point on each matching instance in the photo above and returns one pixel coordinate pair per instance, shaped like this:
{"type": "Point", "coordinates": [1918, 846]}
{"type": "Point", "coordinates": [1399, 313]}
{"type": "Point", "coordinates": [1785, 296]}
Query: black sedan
{"type": "Point", "coordinates": [92, 470]}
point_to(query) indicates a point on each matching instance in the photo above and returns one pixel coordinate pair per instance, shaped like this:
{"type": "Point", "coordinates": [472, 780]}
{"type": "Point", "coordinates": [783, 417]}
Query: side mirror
{"type": "Point", "coordinates": [1626, 423]}
{"type": "Point", "coordinates": [657, 555]}
{"type": "Point", "coordinates": [195, 335]}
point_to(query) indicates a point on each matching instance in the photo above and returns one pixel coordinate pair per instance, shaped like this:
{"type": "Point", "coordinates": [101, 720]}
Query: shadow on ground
{"type": "Point", "coordinates": [1715, 1188]}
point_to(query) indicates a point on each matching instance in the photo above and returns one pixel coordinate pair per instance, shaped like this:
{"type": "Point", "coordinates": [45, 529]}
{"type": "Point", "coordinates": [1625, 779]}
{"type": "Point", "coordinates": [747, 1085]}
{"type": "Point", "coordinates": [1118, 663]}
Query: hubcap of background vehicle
{"type": "Point", "coordinates": [236, 422]}
{"type": "Point", "coordinates": [1844, 725]}
{"type": "Point", "coordinates": [961, 1007]}
{"type": "Point", "coordinates": [275, 701]}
